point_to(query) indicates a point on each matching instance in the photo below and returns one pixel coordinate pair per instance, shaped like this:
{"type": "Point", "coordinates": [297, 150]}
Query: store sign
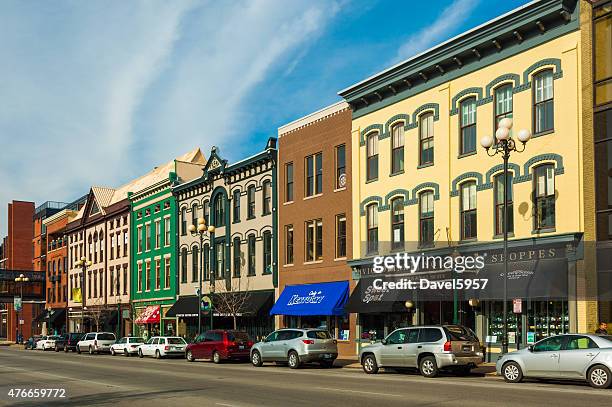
{"type": "Point", "coordinates": [531, 338]}
{"type": "Point", "coordinates": [517, 306]}
{"type": "Point", "coordinates": [125, 314]}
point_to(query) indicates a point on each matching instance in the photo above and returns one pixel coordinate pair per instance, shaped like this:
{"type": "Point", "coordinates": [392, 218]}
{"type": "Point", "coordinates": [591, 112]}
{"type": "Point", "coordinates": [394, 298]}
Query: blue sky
{"type": "Point", "coordinates": [98, 93]}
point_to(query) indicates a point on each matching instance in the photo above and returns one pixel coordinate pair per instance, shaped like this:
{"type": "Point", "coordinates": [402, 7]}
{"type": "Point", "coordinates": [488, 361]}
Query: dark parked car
{"type": "Point", "coordinates": [218, 345]}
{"type": "Point", "coordinates": [68, 342]}
{"type": "Point", "coordinates": [31, 342]}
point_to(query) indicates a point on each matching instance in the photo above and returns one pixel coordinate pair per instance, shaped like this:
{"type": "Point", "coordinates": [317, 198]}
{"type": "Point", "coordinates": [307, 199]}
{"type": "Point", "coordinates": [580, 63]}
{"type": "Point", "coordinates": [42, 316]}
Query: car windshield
{"type": "Point", "coordinates": [240, 336]}
{"type": "Point", "coordinates": [460, 333]}
{"type": "Point", "coordinates": [176, 341]}
{"type": "Point", "coordinates": [106, 337]}
{"type": "Point", "coordinates": [136, 340]}
{"type": "Point", "coordinates": [318, 335]}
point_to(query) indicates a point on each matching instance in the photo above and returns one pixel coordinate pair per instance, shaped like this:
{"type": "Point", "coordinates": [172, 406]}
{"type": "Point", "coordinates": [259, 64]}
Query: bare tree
{"type": "Point", "coordinates": [98, 312]}
{"type": "Point", "coordinates": [235, 301]}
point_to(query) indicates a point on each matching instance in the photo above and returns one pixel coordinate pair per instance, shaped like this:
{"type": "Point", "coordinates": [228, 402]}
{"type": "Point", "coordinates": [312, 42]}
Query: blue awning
{"type": "Point", "coordinates": [312, 299]}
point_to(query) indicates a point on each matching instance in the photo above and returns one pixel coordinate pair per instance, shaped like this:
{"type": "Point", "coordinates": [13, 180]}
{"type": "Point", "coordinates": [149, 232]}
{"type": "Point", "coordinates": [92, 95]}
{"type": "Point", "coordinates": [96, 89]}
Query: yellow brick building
{"type": "Point", "coordinates": [422, 183]}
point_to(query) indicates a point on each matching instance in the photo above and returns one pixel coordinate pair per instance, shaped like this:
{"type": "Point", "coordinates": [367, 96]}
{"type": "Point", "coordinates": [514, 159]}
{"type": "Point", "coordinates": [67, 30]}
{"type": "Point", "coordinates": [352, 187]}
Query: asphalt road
{"type": "Point", "coordinates": [102, 380]}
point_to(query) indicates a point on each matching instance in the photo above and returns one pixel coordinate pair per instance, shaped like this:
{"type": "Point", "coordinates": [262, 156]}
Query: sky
{"type": "Point", "coordinates": [100, 92]}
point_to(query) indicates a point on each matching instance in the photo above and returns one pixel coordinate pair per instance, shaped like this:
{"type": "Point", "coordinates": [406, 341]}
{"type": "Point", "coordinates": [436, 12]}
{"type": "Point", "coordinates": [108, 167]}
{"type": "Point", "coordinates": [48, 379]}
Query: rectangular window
{"type": "Point", "coordinates": [125, 243]}
{"type": "Point", "coordinates": [139, 237]}
{"type": "Point", "coordinates": [372, 157]}
{"type": "Point", "coordinates": [543, 109]}
{"type": "Point", "coordinates": [220, 251]}
{"type": "Point", "coordinates": [148, 237]}
{"type": "Point", "coordinates": [167, 272]}
{"type": "Point", "coordinates": [157, 234]}
{"type": "Point", "coordinates": [314, 240]}
{"type": "Point", "coordinates": [267, 252]}
{"type": "Point", "coordinates": [426, 139]}
{"type": "Point", "coordinates": [499, 204]}
{"type": "Point", "coordinates": [251, 254]}
{"type": "Point", "coordinates": [289, 182]}
{"type": "Point", "coordinates": [112, 281]}
{"type": "Point", "coordinates": [148, 275]}
{"type": "Point", "coordinates": [397, 224]}
{"type": "Point", "coordinates": [206, 261]}
{"type": "Point", "coordinates": [194, 263]}
{"type": "Point", "coordinates": [139, 277]}
{"type": "Point", "coordinates": [237, 257]}
{"type": "Point", "coordinates": [468, 126]}
{"type": "Point", "coordinates": [267, 197]}
{"type": "Point", "coordinates": [397, 148]}
{"type": "Point", "coordinates": [503, 104]}
{"type": "Point", "coordinates": [545, 197]}
{"type": "Point", "coordinates": [341, 166]}
{"type": "Point", "coordinates": [468, 211]}
{"type": "Point", "coordinates": [157, 274]}
{"type": "Point", "coordinates": [183, 221]}
{"type": "Point", "coordinates": [125, 280]}
{"type": "Point", "coordinates": [184, 265]}
{"type": "Point", "coordinates": [314, 174]}
{"type": "Point", "coordinates": [340, 236]}
{"type": "Point", "coordinates": [117, 282]}
{"type": "Point", "coordinates": [194, 215]}
{"type": "Point", "coordinates": [602, 39]}
{"type": "Point", "coordinates": [167, 231]}
{"type": "Point", "coordinates": [112, 250]}
{"type": "Point", "coordinates": [289, 244]}
{"type": "Point", "coordinates": [426, 218]}
{"type": "Point", "coordinates": [251, 202]}
{"type": "Point", "coordinates": [236, 205]}
{"type": "Point", "coordinates": [118, 236]}
{"type": "Point", "coordinates": [372, 229]}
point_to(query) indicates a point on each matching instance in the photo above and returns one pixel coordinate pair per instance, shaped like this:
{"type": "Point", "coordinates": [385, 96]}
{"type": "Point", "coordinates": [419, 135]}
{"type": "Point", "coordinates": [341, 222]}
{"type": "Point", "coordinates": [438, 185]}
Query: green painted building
{"type": "Point", "coordinates": [153, 233]}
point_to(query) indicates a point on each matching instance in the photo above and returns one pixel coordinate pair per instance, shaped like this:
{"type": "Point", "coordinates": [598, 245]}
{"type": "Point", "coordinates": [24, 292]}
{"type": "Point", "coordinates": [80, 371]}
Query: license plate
{"type": "Point", "coordinates": [467, 348]}
{"type": "Point", "coordinates": [327, 356]}
{"type": "Point", "coordinates": [241, 347]}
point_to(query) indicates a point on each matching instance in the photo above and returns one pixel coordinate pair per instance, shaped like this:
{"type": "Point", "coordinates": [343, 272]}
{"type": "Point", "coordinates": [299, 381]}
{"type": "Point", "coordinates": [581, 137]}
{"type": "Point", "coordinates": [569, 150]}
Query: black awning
{"type": "Point", "coordinates": [51, 316]}
{"type": "Point", "coordinates": [367, 300]}
{"type": "Point", "coordinates": [185, 306]}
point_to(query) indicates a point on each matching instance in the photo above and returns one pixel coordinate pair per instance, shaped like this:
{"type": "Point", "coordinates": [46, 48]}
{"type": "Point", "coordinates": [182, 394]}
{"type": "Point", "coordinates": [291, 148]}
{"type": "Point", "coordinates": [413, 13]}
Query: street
{"type": "Point", "coordinates": [106, 380]}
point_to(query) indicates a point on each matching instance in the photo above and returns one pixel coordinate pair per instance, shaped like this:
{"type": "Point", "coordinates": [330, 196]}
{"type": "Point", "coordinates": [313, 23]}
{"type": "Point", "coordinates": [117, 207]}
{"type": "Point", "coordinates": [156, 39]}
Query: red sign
{"type": "Point", "coordinates": [517, 305]}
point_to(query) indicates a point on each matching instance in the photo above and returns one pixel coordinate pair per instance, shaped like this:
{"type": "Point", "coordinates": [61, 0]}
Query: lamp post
{"type": "Point", "coordinates": [49, 309]}
{"type": "Point", "coordinates": [504, 146]}
{"type": "Point", "coordinates": [200, 231]}
{"type": "Point", "coordinates": [84, 265]}
{"type": "Point", "coordinates": [21, 279]}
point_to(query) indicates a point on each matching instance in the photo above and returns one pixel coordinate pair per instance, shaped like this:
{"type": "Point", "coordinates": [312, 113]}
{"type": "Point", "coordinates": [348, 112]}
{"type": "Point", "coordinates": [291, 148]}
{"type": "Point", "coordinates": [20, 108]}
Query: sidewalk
{"type": "Point", "coordinates": [486, 369]}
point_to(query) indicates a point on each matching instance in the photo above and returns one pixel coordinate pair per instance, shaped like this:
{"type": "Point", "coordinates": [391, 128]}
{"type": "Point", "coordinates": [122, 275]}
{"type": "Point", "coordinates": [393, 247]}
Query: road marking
{"type": "Point", "coordinates": [371, 393]}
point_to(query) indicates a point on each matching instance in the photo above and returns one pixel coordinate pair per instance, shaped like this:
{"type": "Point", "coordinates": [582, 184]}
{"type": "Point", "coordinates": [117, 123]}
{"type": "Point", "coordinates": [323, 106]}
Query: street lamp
{"type": "Point", "coordinates": [83, 264]}
{"type": "Point", "coordinates": [21, 279]}
{"type": "Point", "coordinates": [200, 231]}
{"type": "Point", "coordinates": [504, 146]}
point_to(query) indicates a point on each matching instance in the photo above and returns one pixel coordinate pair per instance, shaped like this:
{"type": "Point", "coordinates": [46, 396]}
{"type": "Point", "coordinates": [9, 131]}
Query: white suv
{"type": "Point", "coordinates": [160, 346]}
{"type": "Point", "coordinates": [96, 342]}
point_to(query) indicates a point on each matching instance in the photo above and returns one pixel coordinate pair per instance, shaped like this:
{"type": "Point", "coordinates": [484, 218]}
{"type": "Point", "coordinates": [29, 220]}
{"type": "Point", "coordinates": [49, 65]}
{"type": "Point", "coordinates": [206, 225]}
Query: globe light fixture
{"type": "Point", "coordinates": [502, 133]}
{"type": "Point", "coordinates": [486, 142]}
{"type": "Point", "coordinates": [524, 136]}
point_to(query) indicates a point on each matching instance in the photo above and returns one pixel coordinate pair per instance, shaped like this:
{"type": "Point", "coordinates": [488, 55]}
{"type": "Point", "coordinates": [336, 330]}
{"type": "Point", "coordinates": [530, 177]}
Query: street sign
{"type": "Point", "coordinates": [206, 303]}
{"type": "Point", "coordinates": [517, 305]}
{"type": "Point", "coordinates": [17, 304]}
{"type": "Point", "coordinates": [21, 322]}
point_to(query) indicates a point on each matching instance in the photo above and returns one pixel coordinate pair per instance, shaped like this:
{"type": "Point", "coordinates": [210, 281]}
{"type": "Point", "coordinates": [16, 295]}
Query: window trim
{"type": "Point", "coordinates": [462, 127]}
{"type": "Point", "coordinates": [422, 218]}
{"type": "Point", "coordinates": [463, 212]}
{"type": "Point", "coordinates": [400, 124]}
{"type": "Point", "coordinates": [372, 157]}
{"type": "Point", "coordinates": [425, 115]}
{"type": "Point", "coordinates": [534, 104]}
{"type": "Point", "coordinates": [401, 244]}
{"type": "Point", "coordinates": [338, 255]}
{"type": "Point", "coordinates": [537, 227]}
{"type": "Point", "coordinates": [371, 245]}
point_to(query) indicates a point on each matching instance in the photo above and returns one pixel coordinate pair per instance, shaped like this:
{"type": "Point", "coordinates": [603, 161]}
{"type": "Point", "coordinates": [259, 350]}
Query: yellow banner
{"type": "Point", "coordinates": [76, 295]}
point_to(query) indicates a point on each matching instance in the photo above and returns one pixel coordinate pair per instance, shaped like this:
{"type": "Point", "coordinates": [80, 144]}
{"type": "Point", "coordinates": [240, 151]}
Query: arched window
{"type": "Point", "coordinates": [426, 139]}
{"type": "Point", "coordinates": [543, 102]}
{"type": "Point", "coordinates": [194, 215]}
{"type": "Point", "coordinates": [498, 184]}
{"type": "Point", "coordinates": [267, 252]}
{"type": "Point", "coordinates": [236, 205]}
{"type": "Point", "coordinates": [397, 224]}
{"type": "Point", "coordinates": [426, 218]}
{"type": "Point", "coordinates": [372, 157]}
{"type": "Point", "coordinates": [544, 193]}
{"type": "Point", "coordinates": [467, 142]}
{"type": "Point", "coordinates": [219, 211]}
{"type": "Point", "coordinates": [267, 198]}
{"type": "Point", "coordinates": [397, 148]}
{"type": "Point", "coordinates": [468, 210]}
{"type": "Point", "coordinates": [206, 261]}
{"type": "Point", "coordinates": [237, 257]}
{"type": "Point", "coordinates": [251, 254]}
{"type": "Point", "coordinates": [183, 221]}
{"type": "Point", "coordinates": [503, 103]}
{"type": "Point", "coordinates": [184, 265]}
{"type": "Point", "coordinates": [206, 208]}
{"type": "Point", "coordinates": [194, 263]}
{"type": "Point", "coordinates": [251, 202]}
{"type": "Point", "coordinates": [372, 228]}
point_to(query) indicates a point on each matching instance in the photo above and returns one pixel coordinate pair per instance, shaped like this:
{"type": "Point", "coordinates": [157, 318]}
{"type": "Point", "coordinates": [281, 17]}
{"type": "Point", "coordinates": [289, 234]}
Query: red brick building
{"type": "Point", "coordinates": [314, 226]}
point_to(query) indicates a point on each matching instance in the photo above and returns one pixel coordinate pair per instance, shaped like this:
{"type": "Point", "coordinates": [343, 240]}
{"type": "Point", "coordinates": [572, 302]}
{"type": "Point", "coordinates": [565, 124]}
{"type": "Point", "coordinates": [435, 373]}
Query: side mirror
{"type": "Point", "coordinates": [383, 341]}
{"type": "Point", "coordinates": [530, 348]}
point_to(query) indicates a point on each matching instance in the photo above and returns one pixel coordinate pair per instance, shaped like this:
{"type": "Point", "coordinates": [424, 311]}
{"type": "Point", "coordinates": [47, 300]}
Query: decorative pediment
{"type": "Point", "coordinates": [215, 164]}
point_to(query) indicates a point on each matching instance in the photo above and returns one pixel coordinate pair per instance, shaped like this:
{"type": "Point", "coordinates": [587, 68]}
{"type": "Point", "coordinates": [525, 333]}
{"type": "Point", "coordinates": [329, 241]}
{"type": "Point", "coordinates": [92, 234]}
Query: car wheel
{"type": "Point", "coordinates": [512, 372]}
{"type": "Point", "coordinates": [91, 352]}
{"type": "Point", "coordinates": [293, 360]}
{"type": "Point", "coordinates": [189, 356]}
{"type": "Point", "coordinates": [126, 353]}
{"type": "Point", "coordinates": [369, 364]}
{"type": "Point", "coordinates": [140, 355]}
{"type": "Point", "coordinates": [65, 349]}
{"type": "Point", "coordinates": [256, 359]}
{"type": "Point", "coordinates": [216, 357]}
{"type": "Point", "coordinates": [599, 377]}
{"type": "Point", "coordinates": [157, 354]}
{"type": "Point", "coordinates": [56, 348]}
{"type": "Point", "coordinates": [428, 366]}
{"type": "Point", "coordinates": [112, 352]}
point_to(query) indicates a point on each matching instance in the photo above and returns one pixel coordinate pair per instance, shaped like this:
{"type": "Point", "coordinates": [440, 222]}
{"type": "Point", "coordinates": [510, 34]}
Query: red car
{"type": "Point", "coordinates": [218, 345]}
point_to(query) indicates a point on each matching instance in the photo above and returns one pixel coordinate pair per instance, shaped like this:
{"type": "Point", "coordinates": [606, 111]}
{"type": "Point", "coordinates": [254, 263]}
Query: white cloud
{"type": "Point", "coordinates": [447, 22]}
{"type": "Point", "coordinates": [97, 93]}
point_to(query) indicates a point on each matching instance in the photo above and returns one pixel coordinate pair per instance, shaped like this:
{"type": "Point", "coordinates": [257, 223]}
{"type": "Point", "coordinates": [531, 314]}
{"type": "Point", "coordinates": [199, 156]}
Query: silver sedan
{"type": "Point", "coordinates": [571, 356]}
